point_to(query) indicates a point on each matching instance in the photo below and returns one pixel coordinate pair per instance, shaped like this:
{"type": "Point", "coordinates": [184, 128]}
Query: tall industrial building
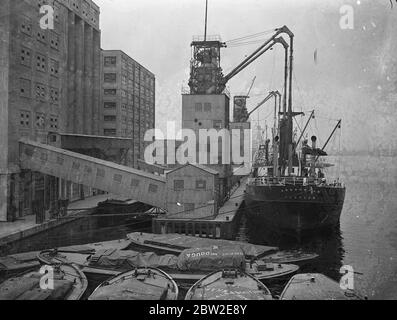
{"type": "Point", "coordinates": [128, 95]}
{"type": "Point", "coordinates": [207, 106]}
{"type": "Point", "coordinates": [50, 82]}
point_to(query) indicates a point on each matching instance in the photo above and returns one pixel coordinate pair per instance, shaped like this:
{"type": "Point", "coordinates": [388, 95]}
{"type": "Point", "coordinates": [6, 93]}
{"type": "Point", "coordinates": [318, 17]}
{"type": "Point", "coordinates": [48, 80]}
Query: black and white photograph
{"type": "Point", "coordinates": [207, 152]}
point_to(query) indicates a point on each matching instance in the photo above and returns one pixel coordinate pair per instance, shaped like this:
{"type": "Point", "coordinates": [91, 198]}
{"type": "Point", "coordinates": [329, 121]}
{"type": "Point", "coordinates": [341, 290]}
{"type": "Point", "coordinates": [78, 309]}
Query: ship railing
{"type": "Point", "coordinates": [212, 37]}
{"type": "Point", "coordinates": [291, 181]}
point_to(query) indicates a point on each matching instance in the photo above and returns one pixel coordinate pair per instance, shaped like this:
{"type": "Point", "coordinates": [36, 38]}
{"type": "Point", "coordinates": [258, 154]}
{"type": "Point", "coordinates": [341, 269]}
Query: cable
{"type": "Point", "coordinates": [253, 35]}
{"type": "Point", "coordinates": [247, 43]}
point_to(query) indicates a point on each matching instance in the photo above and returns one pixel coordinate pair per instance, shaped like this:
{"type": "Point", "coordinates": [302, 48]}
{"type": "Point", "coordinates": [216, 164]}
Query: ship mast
{"type": "Point", "coordinates": [206, 20]}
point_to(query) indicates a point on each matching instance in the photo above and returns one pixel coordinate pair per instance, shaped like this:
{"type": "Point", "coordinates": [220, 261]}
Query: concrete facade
{"type": "Point", "coordinates": [209, 111]}
{"type": "Point", "coordinates": [93, 172]}
{"type": "Point", "coordinates": [192, 192]}
{"type": "Point", "coordinates": [50, 82]}
{"type": "Point", "coordinates": [128, 95]}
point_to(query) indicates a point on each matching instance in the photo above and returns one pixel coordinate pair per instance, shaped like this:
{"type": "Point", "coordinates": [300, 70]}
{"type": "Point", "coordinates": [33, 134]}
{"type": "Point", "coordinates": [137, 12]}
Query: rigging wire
{"type": "Point", "coordinates": [250, 36]}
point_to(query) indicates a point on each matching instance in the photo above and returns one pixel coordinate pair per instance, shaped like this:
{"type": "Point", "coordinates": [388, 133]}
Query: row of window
{"type": "Point", "coordinates": [200, 107]}
{"type": "Point", "coordinates": [90, 14]}
{"type": "Point", "coordinates": [130, 96]}
{"type": "Point", "coordinates": [42, 92]}
{"type": "Point", "coordinates": [125, 131]}
{"type": "Point", "coordinates": [42, 63]}
{"type": "Point", "coordinates": [180, 185]}
{"type": "Point", "coordinates": [41, 35]}
{"type": "Point", "coordinates": [111, 77]}
{"type": "Point", "coordinates": [144, 106]}
{"type": "Point", "coordinates": [128, 67]}
{"type": "Point", "coordinates": [41, 121]}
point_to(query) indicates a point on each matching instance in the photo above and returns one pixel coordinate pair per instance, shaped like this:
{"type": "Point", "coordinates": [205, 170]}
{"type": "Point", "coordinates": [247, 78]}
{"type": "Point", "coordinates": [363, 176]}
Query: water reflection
{"type": "Point", "coordinates": [327, 243]}
{"type": "Point", "coordinates": [80, 231]}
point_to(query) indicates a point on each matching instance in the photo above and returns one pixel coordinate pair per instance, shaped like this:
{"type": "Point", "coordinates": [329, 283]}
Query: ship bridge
{"type": "Point", "coordinates": [92, 172]}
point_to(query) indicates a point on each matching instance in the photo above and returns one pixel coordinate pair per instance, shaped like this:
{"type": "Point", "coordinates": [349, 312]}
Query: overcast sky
{"type": "Point", "coordinates": [354, 77]}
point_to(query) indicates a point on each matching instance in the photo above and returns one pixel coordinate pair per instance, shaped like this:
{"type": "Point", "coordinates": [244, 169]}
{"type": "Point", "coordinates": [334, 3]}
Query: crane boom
{"type": "Point", "coordinates": [252, 84]}
{"type": "Point", "coordinates": [269, 96]}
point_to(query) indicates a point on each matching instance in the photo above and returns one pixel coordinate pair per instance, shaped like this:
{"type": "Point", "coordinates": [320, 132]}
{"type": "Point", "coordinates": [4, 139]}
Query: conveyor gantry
{"type": "Point", "coordinates": [93, 172]}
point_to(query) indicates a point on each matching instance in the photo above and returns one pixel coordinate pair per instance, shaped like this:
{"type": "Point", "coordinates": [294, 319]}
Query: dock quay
{"type": "Point", "coordinates": [222, 226]}
{"type": "Point", "coordinates": [11, 232]}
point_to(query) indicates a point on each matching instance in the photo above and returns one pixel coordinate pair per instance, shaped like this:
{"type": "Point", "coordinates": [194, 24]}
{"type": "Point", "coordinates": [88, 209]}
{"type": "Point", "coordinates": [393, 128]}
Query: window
{"type": "Point", "coordinates": [24, 117]}
{"type": "Point", "coordinates": [109, 61]}
{"type": "Point", "coordinates": [75, 4]}
{"type": "Point", "coordinates": [117, 178]}
{"type": "Point", "coordinates": [110, 92]}
{"type": "Point", "coordinates": [41, 63]}
{"type": "Point", "coordinates": [109, 105]}
{"type": "Point", "coordinates": [41, 91]}
{"type": "Point", "coordinates": [153, 188]}
{"type": "Point", "coordinates": [124, 78]}
{"type": "Point", "coordinates": [40, 120]}
{"type": "Point", "coordinates": [199, 107]}
{"type": "Point", "coordinates": [100, 173]}
{"type": "Point", "coordinates": [207, 107]}
{"type": "Point", "coordinates": [179, 184]}
{"type": "Point", "coordinates": [54, 122]}
{"type": "Point", "coordinates": [134, 183]}
{"type": "Point", "coordinates": [41, 35]}
{"type": "Point", "coordinates": [54, 68]}
{"type": "Point", "coordinates": [109, 118]}
{"type": "Point", "coordinates": [201, 184]}
{"type": "Point", "coordinates": [26, 57]}
{"type": "Point", "coordinates": [110, 77]}
{"type": "Point", "coordinates": [109, 132]}
{"type": "Point", "coordinates": [26, 26]}
{"type": "Point", "coordinates": [86, 9]}
{"type": "Point", "coordinates": [25, 88]}
{"type": "Point", "coordinates": [54, 40]}
{"type": "Point", "coordinates": [54, 95]}
{"type": "Point", "coordinates": [43, 157]}
{"type": "Point", "coordinates": [218, 124]}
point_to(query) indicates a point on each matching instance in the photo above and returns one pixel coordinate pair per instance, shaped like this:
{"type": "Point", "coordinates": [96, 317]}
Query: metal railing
{"type": "Point", "coordinates": [186, 90]}
{"type": "Point", "coordinates": [214, 37]}
{"type": "Point", "coordinates": [291, 181]}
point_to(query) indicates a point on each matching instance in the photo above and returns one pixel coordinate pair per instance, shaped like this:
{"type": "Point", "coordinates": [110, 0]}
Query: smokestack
{"type": "Point", "coordinates": [314, 140]}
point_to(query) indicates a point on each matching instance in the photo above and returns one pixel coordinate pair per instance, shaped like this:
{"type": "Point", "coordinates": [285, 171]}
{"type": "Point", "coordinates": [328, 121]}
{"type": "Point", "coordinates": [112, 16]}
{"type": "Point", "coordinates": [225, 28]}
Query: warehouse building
{"type": "Point", "coordinates": [128, 94]}
{"type": "Point", "coordinates": [50, 83]}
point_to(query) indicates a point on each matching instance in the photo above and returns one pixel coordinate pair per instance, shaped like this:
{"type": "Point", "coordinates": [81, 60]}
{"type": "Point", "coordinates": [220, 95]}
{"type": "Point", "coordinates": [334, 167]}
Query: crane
{"type": "Point", "coordinates": [286, 145]}
{"type": "Point", "coordinates": [252, 84]}
{"type": "Point", "coordinates": [271, 94]}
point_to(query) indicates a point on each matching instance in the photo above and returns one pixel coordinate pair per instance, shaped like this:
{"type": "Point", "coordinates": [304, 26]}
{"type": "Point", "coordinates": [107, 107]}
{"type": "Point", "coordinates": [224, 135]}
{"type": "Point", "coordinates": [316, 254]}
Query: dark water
{"type": "Point", "coordinates": [366, 238]}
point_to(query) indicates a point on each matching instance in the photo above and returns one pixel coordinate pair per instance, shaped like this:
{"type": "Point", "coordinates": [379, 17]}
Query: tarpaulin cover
{"type": "Point", "coordinates": [131, 289]}
{"type": "Point", "coordinates": [212, 258]}
{"type": "Point", "coordinates": [181, 242]}
{"type": "Point", "coordinates": [128, 259]}
{"type": "Point", "coordinates": [229, 293]}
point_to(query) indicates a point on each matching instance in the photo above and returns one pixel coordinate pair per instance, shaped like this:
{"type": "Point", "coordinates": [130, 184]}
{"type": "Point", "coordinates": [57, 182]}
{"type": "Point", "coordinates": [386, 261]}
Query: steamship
{"type": "Point", "coordinates": [289, 191]}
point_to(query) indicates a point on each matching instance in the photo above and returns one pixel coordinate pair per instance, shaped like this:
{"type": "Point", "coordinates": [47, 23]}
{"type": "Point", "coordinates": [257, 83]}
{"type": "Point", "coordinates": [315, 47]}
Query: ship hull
{"type": "Point", "coordinates": [294, 209]}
